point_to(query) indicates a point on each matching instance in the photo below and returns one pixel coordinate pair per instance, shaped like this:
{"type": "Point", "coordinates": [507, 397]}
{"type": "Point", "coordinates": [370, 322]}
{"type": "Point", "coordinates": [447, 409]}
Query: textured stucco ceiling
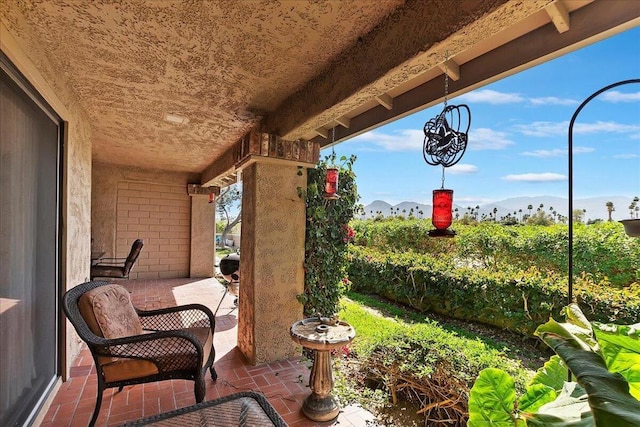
{"type": "Point", "coordinates": [229, 66]}
{"type": "Point", "coordinates": [221, 64]}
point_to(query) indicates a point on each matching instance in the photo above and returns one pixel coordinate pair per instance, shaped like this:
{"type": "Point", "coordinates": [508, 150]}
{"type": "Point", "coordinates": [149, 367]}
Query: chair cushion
{"type": "Point", "coordinates": [164, 356]}
{"type": "Point", "coordinates": [109, 313]}
{"type": "Point", "coordinates": [121, 369]}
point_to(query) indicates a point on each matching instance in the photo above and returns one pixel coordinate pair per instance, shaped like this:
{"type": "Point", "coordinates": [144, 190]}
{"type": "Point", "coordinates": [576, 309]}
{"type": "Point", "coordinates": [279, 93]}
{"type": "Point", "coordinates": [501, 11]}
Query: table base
{"type": "Point", "coordinates": [319, 408]}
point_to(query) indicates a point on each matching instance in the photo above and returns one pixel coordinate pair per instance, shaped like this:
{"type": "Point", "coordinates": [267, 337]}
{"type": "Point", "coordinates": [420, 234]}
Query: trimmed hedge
{"type": "Point", "coordinates": [602, 250]}
{"type": "Point", "coordinates": [511, 298]}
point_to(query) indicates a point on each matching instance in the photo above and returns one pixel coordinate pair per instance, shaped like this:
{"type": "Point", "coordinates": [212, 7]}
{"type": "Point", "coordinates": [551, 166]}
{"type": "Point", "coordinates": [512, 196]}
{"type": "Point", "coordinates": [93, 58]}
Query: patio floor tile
{"type": "Point", "coordinates": [284, 383]}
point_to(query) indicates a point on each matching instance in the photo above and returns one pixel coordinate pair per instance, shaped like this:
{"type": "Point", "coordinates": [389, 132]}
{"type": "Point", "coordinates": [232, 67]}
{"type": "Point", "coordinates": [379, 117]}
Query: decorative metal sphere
{"type": "Point", "coordinates": [444, 142]}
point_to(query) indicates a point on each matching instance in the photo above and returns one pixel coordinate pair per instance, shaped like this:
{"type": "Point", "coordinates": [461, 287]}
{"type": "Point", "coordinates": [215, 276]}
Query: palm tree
{"type": "Point", "coordinates": [633, 207]}
{"type": "Point", "coordinates": [530, 207]}
{"type": "Point", "coordinates": [610, 208]}
{"type": "Point", "coordinates": [520, 212]}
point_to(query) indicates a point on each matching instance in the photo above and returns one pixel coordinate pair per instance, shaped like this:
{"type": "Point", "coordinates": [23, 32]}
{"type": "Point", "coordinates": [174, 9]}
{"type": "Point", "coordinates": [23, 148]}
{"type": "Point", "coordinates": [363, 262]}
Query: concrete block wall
{"type": "Point", "coordinates": [160, 215]}
{"type": "Point", "coordinates": [132, 203]}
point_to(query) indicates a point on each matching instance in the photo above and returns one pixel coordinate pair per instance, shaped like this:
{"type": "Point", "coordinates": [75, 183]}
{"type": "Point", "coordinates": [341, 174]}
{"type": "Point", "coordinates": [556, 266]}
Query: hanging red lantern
{"type": "Point", "coordinates": [442, 213]}
{"type": "Point", "coordinates": [331, 184]}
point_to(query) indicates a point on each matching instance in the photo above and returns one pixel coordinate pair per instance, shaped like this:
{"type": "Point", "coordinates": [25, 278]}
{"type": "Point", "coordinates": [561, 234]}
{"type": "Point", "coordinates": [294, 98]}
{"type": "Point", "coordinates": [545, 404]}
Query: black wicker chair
{"type": "Point", "coordinates": [174, 343]}
{"type": "Point", "coordinates": [118, 268]}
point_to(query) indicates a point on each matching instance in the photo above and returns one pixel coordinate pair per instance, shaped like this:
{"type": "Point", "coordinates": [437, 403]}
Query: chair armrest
{"type": "Point", "coordinates": [110, 261]}
{"type": "Point", "coordinates": [183, 316]}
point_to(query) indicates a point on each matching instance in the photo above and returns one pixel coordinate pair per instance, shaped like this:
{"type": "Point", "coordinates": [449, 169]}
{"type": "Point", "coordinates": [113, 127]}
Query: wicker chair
{"type": "Point", "coordinates": [130, 346]}
{"type": "Point", "coordinates": [118, 268]}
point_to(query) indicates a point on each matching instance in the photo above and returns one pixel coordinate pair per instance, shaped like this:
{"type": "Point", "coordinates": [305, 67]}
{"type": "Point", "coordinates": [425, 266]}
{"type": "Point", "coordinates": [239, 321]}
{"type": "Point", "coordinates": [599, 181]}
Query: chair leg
{"type": "Point", "coordinates": [199, 388]}
{"type": "Point", "coordinates": [212, 371]}
{"type": "Point", "coordinates": [97, 408]}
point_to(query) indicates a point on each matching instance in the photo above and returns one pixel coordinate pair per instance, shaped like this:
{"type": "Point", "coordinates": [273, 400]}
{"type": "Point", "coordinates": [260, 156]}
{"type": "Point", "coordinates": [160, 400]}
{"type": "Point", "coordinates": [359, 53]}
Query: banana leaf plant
{"type": "Point", "coordinates": [605, 360]}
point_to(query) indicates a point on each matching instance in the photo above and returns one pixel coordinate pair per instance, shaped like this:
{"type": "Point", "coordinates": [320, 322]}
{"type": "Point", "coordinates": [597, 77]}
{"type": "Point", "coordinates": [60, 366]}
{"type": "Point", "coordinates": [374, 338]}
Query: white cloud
{"type": "Point", "coordinates": [552, 100]}
{"type": "Point", "coordinates": [616, 96]}
{"type": "Point", "coordinates": [403, 140]}
{"type": "Point", "coordinates": [545, 129]}
{"type": "Point", "coordinates": [462, 169]}
{"type": "Point", "coordinates": [536, 177]}
{"type": "Point", "coordinates": [489, 96]}
{"type": "Point", "coordinates": [610, 127]}
{"type": "Point", "coordinates": [545, 153]}
{"type": "Point", "coordinates": [627, 156]}
{"type": "Point", "coordinates": [488, 139]}
{"type": "Point", "coordinates": [556, 152]}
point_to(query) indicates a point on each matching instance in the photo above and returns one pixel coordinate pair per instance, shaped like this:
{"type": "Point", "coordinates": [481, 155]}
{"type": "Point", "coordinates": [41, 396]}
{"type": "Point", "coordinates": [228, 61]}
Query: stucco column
{"type": "Point", "coordinates": [271, 266]}
{"type": "Point", "coordinates": [203, 237]}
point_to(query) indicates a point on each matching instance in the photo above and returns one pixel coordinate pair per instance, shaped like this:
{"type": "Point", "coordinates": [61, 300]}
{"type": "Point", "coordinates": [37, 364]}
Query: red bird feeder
{"type": "Point", "coordinates": [442, 213]}
{"type": "Point", "coordinates": [331, 184]}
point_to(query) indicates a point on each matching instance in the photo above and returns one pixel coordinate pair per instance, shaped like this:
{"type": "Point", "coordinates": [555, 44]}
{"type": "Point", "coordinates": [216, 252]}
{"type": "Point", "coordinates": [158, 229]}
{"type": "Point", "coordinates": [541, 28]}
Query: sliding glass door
{"type": "Point", "coordinates": [29, 255]}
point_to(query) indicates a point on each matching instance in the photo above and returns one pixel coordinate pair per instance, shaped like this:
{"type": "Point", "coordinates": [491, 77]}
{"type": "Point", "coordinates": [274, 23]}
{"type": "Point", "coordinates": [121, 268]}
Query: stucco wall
{"type": "Point", "coordinates": [131, 203]}
{"type": "Point", "coordinates": [24, 51]}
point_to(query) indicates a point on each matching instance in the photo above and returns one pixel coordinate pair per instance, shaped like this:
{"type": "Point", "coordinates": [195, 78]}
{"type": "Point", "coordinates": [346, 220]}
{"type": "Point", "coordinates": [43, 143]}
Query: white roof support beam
{"type": "Point", "coordinates": [322, 132]}
{"type": "Point", "coordinates": [559, 15]}
{"type": "Point", "coordinates": [385, 100]}
{"type": "Point", "coordinates": [344, 121]}
{"type": "Point", "coordinates": [451, 68]}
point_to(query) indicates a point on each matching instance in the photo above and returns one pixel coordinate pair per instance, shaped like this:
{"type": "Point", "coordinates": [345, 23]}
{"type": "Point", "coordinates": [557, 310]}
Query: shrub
{"type": "Point", "coordinates": [422, 360]}
{"type": "Point", "coordinates": [517, 300]}
{"type": "Point", "coordinates": [602, 250]}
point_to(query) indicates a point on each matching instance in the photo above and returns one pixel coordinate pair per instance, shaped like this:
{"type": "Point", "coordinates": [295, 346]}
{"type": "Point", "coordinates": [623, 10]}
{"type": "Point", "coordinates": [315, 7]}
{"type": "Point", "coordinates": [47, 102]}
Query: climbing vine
{"type": "Point", "coordinates": [328, 234]}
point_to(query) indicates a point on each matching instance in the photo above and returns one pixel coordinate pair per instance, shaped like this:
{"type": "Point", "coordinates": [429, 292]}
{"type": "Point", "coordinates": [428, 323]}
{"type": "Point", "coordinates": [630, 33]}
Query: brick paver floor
{"type": "Point", "coordinates": [284, 383]}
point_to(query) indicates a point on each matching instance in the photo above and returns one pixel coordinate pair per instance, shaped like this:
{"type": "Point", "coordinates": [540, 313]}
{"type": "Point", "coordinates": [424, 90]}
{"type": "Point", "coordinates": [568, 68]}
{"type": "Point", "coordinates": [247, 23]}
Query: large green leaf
{"type": "Point", "coordinates": [569, 409]}
{"type": "Point", "coordinates": [553, 374]}
{"type": "Point", "coordinates": [609, 397]}
{"type": "Point", "coordinates": [492, 399]}
{"type": "Point", "coordinates": [536, 396]}
{"type": "Point", "coordinates": [620, 347]}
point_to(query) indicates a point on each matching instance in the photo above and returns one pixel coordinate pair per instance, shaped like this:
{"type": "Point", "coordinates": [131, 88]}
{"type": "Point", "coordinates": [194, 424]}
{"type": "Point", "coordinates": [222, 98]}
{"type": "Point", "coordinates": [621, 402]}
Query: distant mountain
{"type": "Point", "coordinates": [595, 207]}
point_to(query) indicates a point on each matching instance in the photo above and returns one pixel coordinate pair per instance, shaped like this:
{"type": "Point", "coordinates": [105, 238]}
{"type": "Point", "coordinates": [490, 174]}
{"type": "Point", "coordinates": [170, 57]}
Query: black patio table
{"type": "Point", "coordinates": [243, 409]}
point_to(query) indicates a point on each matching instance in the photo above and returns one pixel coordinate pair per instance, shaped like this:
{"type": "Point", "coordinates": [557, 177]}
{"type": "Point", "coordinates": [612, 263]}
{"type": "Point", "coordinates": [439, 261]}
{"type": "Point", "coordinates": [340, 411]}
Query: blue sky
{"type": "Point", "coordinates": [518, 136]}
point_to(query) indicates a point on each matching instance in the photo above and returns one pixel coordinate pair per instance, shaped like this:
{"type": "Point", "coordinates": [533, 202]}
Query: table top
{"type": "Point", "coordinates": [244, 409]}
{"type": "Point", "coordinates": [312, 333]}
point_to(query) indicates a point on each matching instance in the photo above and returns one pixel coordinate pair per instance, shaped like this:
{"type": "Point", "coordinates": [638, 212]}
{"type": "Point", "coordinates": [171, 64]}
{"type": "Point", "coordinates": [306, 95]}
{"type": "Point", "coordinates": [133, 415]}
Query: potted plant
{"type": "Point", "coordinates": [632, 225]}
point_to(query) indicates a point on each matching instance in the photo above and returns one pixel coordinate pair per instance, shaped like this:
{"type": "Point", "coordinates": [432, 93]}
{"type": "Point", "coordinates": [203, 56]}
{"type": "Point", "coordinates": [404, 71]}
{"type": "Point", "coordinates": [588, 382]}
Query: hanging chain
{"type": "Point", "coordinates": [333, 139]}
{"type": "Point", "coordinates": [446, 77]}
{"type": "Point", "coordinates": [446, 94]}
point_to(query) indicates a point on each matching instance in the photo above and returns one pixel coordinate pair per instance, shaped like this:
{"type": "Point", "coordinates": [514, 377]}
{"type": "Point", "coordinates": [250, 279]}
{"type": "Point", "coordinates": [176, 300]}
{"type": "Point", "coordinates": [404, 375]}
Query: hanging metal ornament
{"type": "Point", "coordinates": [333, 172]}
{"type": "Point", "coordinates": [445, 141]}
